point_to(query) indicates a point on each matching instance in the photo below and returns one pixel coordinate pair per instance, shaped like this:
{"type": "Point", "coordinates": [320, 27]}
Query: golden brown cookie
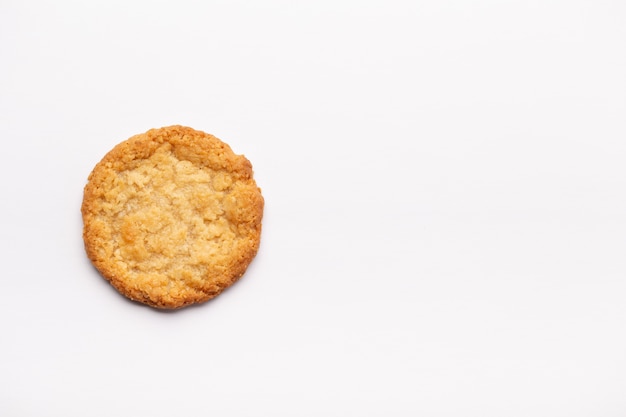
{"type": "Point", "coordinates": [172, 217]}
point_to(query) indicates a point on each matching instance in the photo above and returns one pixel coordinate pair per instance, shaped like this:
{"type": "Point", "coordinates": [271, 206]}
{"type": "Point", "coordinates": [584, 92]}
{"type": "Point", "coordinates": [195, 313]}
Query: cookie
{"type": "Point", "coordinates": [172, 217]}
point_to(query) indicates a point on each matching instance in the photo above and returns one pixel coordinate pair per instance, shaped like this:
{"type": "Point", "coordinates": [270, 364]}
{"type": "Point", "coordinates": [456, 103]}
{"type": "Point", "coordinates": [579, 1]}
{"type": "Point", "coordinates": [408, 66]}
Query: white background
{"type": "Point", "coordinates": [445, 223]}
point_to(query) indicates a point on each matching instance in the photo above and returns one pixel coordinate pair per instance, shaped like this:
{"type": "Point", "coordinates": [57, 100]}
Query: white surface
{"type": "Point", "coordinates": [445, 187]}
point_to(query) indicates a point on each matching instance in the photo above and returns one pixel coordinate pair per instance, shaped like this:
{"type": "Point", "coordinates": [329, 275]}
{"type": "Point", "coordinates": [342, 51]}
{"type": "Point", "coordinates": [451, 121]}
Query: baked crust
{"type": "Point", "coordinates": [172, 217]}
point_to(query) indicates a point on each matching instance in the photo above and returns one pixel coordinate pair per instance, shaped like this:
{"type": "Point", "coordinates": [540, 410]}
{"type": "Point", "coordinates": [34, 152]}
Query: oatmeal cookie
{"type": "Point", "coordinates": [172, 217]}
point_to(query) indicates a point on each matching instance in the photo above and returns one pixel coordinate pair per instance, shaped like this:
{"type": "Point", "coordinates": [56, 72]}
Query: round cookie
{"type": "Point", "coordinates": [172, 217]}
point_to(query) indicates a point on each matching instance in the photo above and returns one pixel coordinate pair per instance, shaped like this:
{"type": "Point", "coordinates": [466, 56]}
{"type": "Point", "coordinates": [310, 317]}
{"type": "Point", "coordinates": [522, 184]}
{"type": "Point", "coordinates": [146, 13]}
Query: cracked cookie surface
{"type": "Point", "coordinates": [172, 217]}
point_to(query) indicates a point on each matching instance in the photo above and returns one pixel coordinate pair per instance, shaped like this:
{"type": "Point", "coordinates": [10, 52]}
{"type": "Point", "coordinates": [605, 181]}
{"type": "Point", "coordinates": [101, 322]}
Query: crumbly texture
{"type": "Point", "coordinates": [172, 217]}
